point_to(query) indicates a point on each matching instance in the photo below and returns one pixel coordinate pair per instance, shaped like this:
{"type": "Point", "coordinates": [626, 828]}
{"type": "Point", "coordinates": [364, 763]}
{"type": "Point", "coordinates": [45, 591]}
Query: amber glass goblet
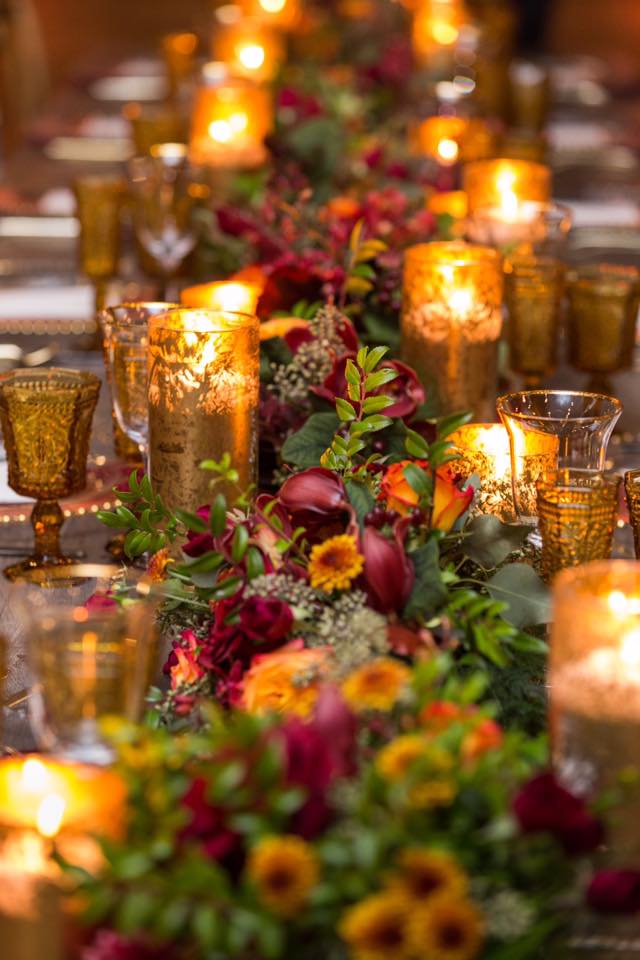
{"type": "Point", "coordinates": [98, 204]}
{"type": "Point", "coordinates": [632, 491]}
{"type": "Point", "coordinates": [577, 511]}
{"type": "Point", "coordinates": [533, 296]}
{"type": "Point", "coordinates": [46, 423]}
{"type": "Point", "coordinates": [603, 308]}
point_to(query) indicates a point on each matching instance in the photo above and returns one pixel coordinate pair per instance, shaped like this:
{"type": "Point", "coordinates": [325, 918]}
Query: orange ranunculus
{"type": "Point", "coordinates": [486, 736]}
{"type": "Point", "coordinates": [440, 714]}
{"type": "Point", "coordinates": [396, 490]}
{"type": "Point", "coordinates": [449, 501]}
{"type": "Point", "coordinates": [187, 670]}
{"type": "Point", "coordinates": [343, 208]}
{"type": "Point", "coordinates": [285, 681]}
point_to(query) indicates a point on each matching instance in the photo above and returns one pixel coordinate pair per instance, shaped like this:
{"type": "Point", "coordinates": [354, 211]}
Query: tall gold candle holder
{"type": "Point", "coordinates": [451, 321]}
{"type": "Point", "coordinates": [632, 492]}
{"type": "Point", "coordinates": [578, 511]}
{"type": "Point", "coordinates": [449, 139]}
{"type": "Point", "coordinates": [603, 309]}
{"type": "Point", "coordinates": [533, 295]}
{"type": "Point", "coordinates": [505, 183]}
{"type": "Point", "coordinates": [153, 123]}
{"type": "Point", "coordinates": [203, 400]}
{"type": "Point", "coordinates": [230, 121]}
{"type": "Point", "coordinates": [249, 46]}
{"type": "Point", "coordinates": [46, 420]}
{"type": "Point", "coordinates": [484, 452]}
{"type": "Point", "coordinates": [594, 684]}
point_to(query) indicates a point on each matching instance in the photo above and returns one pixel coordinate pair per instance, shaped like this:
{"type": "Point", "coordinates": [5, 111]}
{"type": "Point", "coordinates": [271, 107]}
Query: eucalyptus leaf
{"type": "Point", "coordinates": [526, 596]}
{"type": "Point", "coordinates": [489, 542]}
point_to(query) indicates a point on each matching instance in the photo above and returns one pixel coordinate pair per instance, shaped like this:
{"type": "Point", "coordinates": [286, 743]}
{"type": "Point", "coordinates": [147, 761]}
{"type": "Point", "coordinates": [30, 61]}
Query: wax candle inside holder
{"type": "Point", "coordinates": [449, 139]}
{"type": "Point", "coordinates": [595, 691]}
{"type": "Point", "coordinates": [203, 401]}
{"type": "Point", "coordinates": [484, 452]}
{"type": "Point", "coordinates": [451, 322]}
{"type": "Point", "coordinates": [506, 183]}
{"type": "Point", "coordinates": [249, 46]}
{"type": "Point", "coordinates": [521, 227]}
{"type": "Point", "coordinates": [230, 120]}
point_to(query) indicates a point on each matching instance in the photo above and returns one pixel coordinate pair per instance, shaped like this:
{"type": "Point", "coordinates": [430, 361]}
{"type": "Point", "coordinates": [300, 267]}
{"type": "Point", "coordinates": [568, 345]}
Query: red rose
{"type": "Point", "coordinates": [615, 891]}
{"type": "Point", "coordinates": [388, 572]}
{"type": "Point", "coordinates": [266, 620]}
{"type": "Point", "coordinates": [406, 390]}
{"type": "Point", "coordinates": [109, 945]}
{"type": "Point", "coordinates": [543, 806]}
{"type": "Point", "coordinates": [207, 823]}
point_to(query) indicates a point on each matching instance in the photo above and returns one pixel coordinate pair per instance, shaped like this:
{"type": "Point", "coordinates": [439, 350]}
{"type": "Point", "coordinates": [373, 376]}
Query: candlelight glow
{"type": "Point", "coordinates": [450, 202]}
{"type": "Point", "coordinates": [630, 649]}
{"type": "Point", "coordinates": [230, 120]}
{"type": "Point", "coordinates": [273, 6]}
{"type": "Point", "coordinates": [506, 184]}
{"type": "Point", "coordinates": [251, 55]}
{"type": "Point", "coordinates": [444, 33]}
{"type": "Point", "coordinates": [251, 46]}
{"type": "Point", "coordinates": [50, 814]}
{"type": "Point", "coordinates": [234, 296]}
{"type": "Point", "coordinates": [461, 302]}
{"type": "Point", "coordinates": [448, 151]}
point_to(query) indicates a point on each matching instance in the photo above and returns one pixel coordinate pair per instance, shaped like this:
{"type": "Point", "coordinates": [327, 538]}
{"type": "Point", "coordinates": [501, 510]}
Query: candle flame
{"type": "Point", "coordinates": [224, 130]}
{"type": "Point", "coordinates": [273, 6]}
{"type": "Point", "coordinates": [50, 814]}
{"type": "Point", "coordinates": [623, 606]}
{"type": "Point", "coordinates": [448, 150]}
{"type": "Point", "coordinates": [630, 649]}
{"type": "Point", "coordinates": [34, 776]}
{"type": "Point", "coordinates": [444, 33]}
{"type": "Point", "coordinates": [494, 443]}
{"type": "Point", "coordinates": [461, 302]}
{"type": "Point", "coordinates": [505, 184]}
{"type": "Point", "coordinates": [251, 56]}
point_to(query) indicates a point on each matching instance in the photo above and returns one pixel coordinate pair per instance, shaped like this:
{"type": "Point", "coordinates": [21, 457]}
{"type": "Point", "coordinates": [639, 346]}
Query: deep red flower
{"type": "Point", "coordinates": [316, 499]}
{"type": "Point", "coordinates": [206, 825]}
{"type": "Point", "coordinates": [101, 601]}
{"type": "Point", "coordinates": [308, 764]}
{"type": "Point", "coordinates": [109, 945]}
{"type": "Point", "coordinates": [266, 621]}
{"type": "Point", "coordinates": [388, 572]}
{"type": "Point", "coordinates": [406, 390]}
{"type": "Point", "coordinates": [544, 806]}
{"type": "Point", "coordinates": [345, 329]}
{"type": "Point", "coordinates": [615, 891]}
{"type": "Point", "coordinates": [300, 105]}
{"type": "Point", "coordinates": [339, 726]}
{"type": "Point", "coordinates": [292, 278]}
{"type": "Point", "coordinates": [199, 543]}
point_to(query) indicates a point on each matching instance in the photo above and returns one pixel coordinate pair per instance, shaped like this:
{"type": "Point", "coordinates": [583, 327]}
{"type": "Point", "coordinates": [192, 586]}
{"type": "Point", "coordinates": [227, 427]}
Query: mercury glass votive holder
{"type": "Point", "coordinates": [533, 292]}
{"type": "Point", "coordinates": [522, 228]}
{"type": "Point", "coordinates": [594, 683]}
{"type": "Point", "coordinates": [486, 182]}
{"type": "Point", "coordinates": [551, 430]}
{"type": "Point", "coordinates": [46, 420]}
{"type": "Point", "coordinates": [484, 451]}
{"type": "Point", "coordinates": [451, 321]}
{"type": "Point", "coordinates": [603, 310]}
{"type": "Point", "coordinates": [632, 492]}
{"type": "Point", "coordinates": [578, 510]}
{"type": "Point", "coordinates": [203, 401]}
{"type": "Point", "coordinates": [92, 657]}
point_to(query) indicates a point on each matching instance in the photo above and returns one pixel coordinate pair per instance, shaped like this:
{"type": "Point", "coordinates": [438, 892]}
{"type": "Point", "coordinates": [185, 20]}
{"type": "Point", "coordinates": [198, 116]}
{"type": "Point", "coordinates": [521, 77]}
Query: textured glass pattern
{"type": "Point", "coordinates": [603, 308]}
{"type": "Point", "coordinates": [533, 295]}
{"type": "Point", "coordinates": [632, 491]}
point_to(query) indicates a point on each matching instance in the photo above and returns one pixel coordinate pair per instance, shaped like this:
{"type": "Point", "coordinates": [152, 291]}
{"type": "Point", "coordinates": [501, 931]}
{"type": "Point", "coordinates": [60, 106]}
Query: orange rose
{"type": "Point", "coordinates": [286, 681]}
{"type": "Point", "coordinates": [441, 714]}
{"type": "Point", "coordinates": [396, 490]}
{"type": "Point", "coordinates": [449, 501]}
{"type": "Point", "coordinates": [486, 736]}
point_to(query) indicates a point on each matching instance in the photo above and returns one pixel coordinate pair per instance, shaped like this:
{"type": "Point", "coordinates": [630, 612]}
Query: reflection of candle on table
{"type": "Point", "coordinates": [203, 401]}
{"type": "Point", "coordinates": [485, 452]}
{"type": "Point", "coordinates": [234, 296]}
{"type": "Point", "coordinates": [451, 321]}
{"type": "Point", "coordinates": [595, 688]}
{"type": "Point", "coordinates": [42, 800]}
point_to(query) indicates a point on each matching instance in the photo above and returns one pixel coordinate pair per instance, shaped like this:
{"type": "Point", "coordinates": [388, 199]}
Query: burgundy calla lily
{"type": "Point", "coordinates": [388, 572]}
{"type": "Point", "coordinates": [316, 499]}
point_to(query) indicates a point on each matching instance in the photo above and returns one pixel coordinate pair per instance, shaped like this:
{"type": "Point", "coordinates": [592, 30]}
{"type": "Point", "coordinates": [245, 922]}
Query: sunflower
{"type": "Point", "coordinates": [423, 874]}
{"type": "Point", "coordinates": [446, 929]}
{"type": "Point", "coordinates": [376, 928]}
{"type": "Point", "coordinates": [335, 563]}
{"type": "Point", "coordinates": [284, 871]}
{"type": "Point", "coordinates": [397, 757]}
{"type": "Point", "coordinates": [376, 685]}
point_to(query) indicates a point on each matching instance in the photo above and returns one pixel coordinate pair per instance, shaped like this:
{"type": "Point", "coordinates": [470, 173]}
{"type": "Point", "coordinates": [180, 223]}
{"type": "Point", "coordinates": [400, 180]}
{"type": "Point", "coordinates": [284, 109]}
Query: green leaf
{"type": "Point", "coordinates": [429, 592]}
{"type": "Point", "coordinates": [361, 499]}
{"type": "Point", "coordinates": [378, 379]}
{"type": "Point", "coordinates": [526, 596]}
{"type": "Point", "coordinates": [351, 373]}
{"type": "Point", "coordinates": [205, 564]}
{"type": "Point", "coordinates": [376, 404]}
{"type": "Point", "coordinates": [146, 489]}
{"type": "Point", "coordinates": [345, 410]}
{"type": "Point", "coordinates": [489, 542]}
{"type": "Point", "coordinates": [191, 520]}
{"type": "Point", "coordinates": [128, 518]}
{"type": "Point", "coordinates": [206, 925]}
{"type": "Point", "coordinates": [304, 448]}
{"type": "Point", "coordinates": [416, 445]}
{"type": "Point", "coordinates": [109, 519]}
{"type": "Point", "coordinates": [218, 515]}
{"type": "Point", "coordinates": [448, 425]}
{"type": "Point", "coordinates": [373, 358]}
{"type": "Point", "coordinates": [136, 910]}
{"type": "Point", "coordinates": [255, 563]}
{"type": "Point", "coordinates": [240, 543]}
{"type": "Point", "coordinates": [419, 481]}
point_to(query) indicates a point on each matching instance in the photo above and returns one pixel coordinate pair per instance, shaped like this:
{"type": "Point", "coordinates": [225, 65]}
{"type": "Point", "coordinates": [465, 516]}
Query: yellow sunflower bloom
{"type": "Point", "coordinates": [432, 793]}
{"type": "Point", "coordinates": [376, 685]}
{"type": "Point", "coordinates": [334, 564]}
{"type": "Point", "coordinates": [396, 758]}
{"type": "Point", "coordinates": [423, 874]}
{"type": "Point", "coordinates": [376, 928]}
{"type": "Point", "coordinates": [284, 871]}
{"type": "Point", "coordinates": [446, 929]}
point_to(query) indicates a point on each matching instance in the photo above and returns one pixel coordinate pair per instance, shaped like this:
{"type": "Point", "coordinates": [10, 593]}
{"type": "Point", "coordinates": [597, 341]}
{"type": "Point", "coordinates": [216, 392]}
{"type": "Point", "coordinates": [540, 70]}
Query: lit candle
{"type": "Point", "coordinates": [485, 452]}
{"type": "Point", "coordinates": [249, 46]}
{"type": "Point", "coordinates": [436, 29]}
{"type": "Point", "coordinates": [42, 801]}
{"type": "Point", "coordinates": [595, 689]}
{"type": "Point", "coordinates": [284, 14]}
{"type": "Point", "coordinates": [230, 120]}
{"type": "Point", "coordinates": [203, 401]}
{"type": "Point", "coordinates": [451, 321]}
{"type": "Point", "coordinates": [234, 296]}
{"type": "Point", "coordinates": [505, 184]}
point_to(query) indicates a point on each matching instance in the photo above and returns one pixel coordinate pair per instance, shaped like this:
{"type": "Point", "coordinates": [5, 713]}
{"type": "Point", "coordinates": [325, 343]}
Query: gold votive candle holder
{"type": "Point", "coordinates": [551, 430]}
{"type": "Point", "coordinates": [448, 139]}
{"type": "Point", "coordinates": [603, 309]}
{"type": "Point", "coordinates": [203, 401]}
{"type": "Point", "coordinates": [230, 120]}
{"type": "Point", "coordinates": [594, 685]}
{"type": "Point", "coordinates": [504, 183]}
{"type": "Point", "coordinates": [234, 296]}
{"type": "Point", "coordinates": [578, 510]}
{"type": "Point", "coordinates": [533, 293]}
{"type": "Point", "coordinates": [632, 492]}
{"type": "Point", "coordinates": [46, 420]}
{"type": "Point", "coordinates": [451, 321]}
{"type": "Point", "coordinates": [484, 451]}
{"type": "Point", "coordinates": [249, 46]}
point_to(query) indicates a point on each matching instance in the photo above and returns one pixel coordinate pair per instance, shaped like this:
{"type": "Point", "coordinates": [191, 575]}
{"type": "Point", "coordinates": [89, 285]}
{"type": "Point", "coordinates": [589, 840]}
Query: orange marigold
{"type": "Point", "coordinates": [285, 681]}
{"type": "Point", "coordinates": [334, 564]}
{"type": "Point", "coordinates": [376, 685]}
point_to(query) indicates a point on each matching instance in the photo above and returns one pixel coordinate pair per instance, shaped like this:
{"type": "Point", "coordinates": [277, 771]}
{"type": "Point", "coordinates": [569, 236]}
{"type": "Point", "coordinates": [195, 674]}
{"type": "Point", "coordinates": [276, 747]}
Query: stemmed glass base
{"type": "Point", "coordinates": [46, 519]}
